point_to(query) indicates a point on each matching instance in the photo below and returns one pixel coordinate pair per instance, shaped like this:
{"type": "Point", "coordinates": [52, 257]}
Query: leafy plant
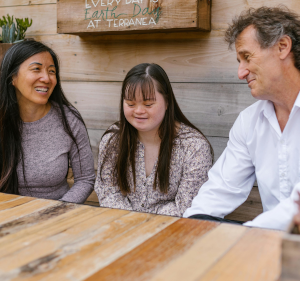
{"type": "Point", "coordinates": [11, 33]}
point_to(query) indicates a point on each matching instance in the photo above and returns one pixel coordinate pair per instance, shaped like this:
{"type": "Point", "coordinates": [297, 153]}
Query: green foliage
{"type": "Point", "coordinates": [11, 33]}
{"type": "Point", "coordinates": [22, 25]}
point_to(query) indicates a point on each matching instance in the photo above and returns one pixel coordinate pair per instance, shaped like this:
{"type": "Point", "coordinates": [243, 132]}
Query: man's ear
{"type": "Point", "coordinates": [284, 46]}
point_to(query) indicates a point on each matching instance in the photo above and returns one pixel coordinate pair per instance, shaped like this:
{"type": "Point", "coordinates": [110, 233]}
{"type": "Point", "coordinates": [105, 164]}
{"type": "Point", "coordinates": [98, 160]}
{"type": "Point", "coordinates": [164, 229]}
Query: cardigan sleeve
{"type": "Point", "coordinates": [107, 190]}
{"type": "Point", "coordinates": [82, 163]}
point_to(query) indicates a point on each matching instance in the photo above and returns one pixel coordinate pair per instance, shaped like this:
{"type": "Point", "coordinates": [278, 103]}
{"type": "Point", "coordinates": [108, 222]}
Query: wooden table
{"type": "Point", "coordinates": [51, 240]}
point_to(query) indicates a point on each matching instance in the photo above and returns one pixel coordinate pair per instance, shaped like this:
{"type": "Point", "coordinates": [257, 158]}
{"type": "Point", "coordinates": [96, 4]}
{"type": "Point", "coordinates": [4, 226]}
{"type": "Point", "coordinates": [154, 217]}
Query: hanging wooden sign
{"type": "Point", "coordinates": [118, 16]}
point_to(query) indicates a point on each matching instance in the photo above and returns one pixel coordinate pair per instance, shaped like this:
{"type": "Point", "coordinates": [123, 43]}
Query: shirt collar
{"type": "Point", "coordinates": [268, 108]}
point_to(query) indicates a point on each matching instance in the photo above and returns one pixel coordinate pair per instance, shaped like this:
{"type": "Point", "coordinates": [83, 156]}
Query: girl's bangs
{"type": "Point", "coordinates": [145, 85]}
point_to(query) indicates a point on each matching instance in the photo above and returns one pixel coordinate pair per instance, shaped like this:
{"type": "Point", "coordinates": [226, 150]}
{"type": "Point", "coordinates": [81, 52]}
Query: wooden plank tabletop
{"type": "Point", "coordinates": [52, 240]}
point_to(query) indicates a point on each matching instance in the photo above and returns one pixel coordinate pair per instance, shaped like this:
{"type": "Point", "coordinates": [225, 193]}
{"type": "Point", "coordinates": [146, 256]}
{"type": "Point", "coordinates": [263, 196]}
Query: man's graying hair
{"type": "Point", "coordinates": [271, 24]}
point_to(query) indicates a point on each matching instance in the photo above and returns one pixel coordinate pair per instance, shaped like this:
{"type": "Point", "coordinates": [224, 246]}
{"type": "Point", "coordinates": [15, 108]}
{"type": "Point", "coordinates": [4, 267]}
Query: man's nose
{"type": "Point", "coordinates": [243, 72]}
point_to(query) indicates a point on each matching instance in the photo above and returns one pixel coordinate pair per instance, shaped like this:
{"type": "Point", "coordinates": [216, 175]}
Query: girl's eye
{"type": "Point", "coordinates": [148, 105]}
{"type": "Point", "coordinates": [130, 105]}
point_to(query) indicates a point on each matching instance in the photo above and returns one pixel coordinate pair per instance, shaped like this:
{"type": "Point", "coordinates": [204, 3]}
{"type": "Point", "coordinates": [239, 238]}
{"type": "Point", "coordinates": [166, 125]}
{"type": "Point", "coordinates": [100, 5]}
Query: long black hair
{"type": "Point", "coordinates": [148, 78]}
{"type": "Point", "coordinates": [11, 151]}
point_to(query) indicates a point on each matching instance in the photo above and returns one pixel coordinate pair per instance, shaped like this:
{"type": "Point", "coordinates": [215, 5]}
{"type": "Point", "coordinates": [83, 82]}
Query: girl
{"type": "Point", "coordinates": [40, 131]}
{"type": "Point", "coordinates": [153, 160]}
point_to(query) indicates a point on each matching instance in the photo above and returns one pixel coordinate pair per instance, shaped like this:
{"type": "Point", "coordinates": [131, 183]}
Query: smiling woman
{"type": "Point", "coordinates": [153, 160]}
{"type": "Point", "coordinates": [40, 131]}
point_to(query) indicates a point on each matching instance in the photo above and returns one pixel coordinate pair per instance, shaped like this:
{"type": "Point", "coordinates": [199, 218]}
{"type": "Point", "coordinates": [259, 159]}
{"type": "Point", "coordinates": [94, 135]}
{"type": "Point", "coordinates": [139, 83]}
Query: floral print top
{"type": "Point", "coordinates": [190, 161]}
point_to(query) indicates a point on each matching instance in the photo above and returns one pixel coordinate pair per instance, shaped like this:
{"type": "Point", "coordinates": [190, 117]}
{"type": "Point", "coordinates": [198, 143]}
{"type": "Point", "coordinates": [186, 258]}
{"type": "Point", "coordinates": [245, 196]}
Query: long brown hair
{"type": "Point", "coordinates": [11, 124]}
{"type": "Point", "coordinates": [148, 78]}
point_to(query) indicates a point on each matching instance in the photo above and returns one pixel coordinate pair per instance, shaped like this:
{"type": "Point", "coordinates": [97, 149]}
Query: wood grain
{"type": "Point", "coordinates": [58, 245]}
{"type": "Point", "coordinates": [13, 203]}
{"type": "Point", "coordinates": [11, 3]}
{"type": "Point", "coordinates": [25, 209]}
{"type": "Point", "coordinates": [191, 264]}
{"type": "Point", "coordinates": [36, 217]}
{"type": "Point", "coordinates": [290, 257]}
{"type": "Point", "coordinates": [167, 15]}
{"type": "Point", "coordinates": [224, 11]}
{"type": "Point", "coordinates": [43, 17]}
{"type": "Point", "coordinates": [256, 256]}
{"type": "Point", "coordinates": [15, 241]}
{"type": "Point", "coordinates": [6, 197]}
{"type": "Point", "coordinates": [211, 107]}
{"type": "Point", "coordinates": [156, 252]}
{"type": "Point", "coordinates": [118, 238]}
{"type": "Point", "coordinates": [3, 49]}
{"type": "Point", "coordinates": [205, 58]}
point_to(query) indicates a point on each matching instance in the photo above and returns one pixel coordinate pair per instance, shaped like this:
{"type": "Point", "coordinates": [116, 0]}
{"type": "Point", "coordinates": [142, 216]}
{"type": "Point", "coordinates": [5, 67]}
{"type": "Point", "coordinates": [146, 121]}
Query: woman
{"type": "Point", "coordinates": [40, 131]}
{"type": "Point", "coordinates": [153, 160]}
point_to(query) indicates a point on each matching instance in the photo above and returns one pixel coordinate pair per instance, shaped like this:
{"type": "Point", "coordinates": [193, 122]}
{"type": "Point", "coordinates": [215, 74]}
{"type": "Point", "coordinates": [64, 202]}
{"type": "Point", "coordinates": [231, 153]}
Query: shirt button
{"type": "Point", "coordinates": [283, 174]}
{"type": "Point", "coordinates": [142, 205]}
{"type": "Point", "coordinates": [282, 141]}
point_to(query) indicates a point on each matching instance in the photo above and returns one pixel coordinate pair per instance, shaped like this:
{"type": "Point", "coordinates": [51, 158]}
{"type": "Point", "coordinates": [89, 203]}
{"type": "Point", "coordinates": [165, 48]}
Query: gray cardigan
{"type": "Point", "coordinates": [47, 151]}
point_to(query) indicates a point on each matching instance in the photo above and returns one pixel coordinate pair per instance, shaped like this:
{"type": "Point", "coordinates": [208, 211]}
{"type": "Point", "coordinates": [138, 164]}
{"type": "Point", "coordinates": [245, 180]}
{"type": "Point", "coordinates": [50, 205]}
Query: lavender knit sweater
{"type": "Point", "coordinates": [47, 151]}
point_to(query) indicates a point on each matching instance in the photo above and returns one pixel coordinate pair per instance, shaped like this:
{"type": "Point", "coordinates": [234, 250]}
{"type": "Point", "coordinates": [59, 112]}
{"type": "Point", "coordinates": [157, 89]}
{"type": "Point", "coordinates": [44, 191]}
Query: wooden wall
{"type": "Point", "coordinates": [202, 70]}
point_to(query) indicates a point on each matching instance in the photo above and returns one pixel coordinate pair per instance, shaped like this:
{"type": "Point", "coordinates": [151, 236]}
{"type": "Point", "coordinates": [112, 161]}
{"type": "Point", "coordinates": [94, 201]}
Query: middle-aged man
{"type": "Point", "coordinates": [264, 142]}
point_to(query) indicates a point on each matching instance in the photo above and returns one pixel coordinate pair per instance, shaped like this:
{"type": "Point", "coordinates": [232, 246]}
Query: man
{"type": "Point", "coordinates": [264, 142]}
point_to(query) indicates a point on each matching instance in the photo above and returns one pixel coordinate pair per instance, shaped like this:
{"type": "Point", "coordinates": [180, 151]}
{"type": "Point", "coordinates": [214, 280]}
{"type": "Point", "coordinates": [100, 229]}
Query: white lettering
{"type": "Point", "coordinates": [109, 20]}
{"type": "Point", "coordinates": [121, 22]}
{"type": "Point", "coordinates": [87, 5]}
{"type": "Point", "coordinates": [110, 3]}
{"type": "Point", "coordinates": [115, 23]}
{"type": "Point", "coordinates": [152, 21]}
{"type": "Point", "coordinates": [131, 22]}
{"type": "Point", "coordinates": [128, 2]}
{"type": "Point", "coordinates": [135, 1]}
{"type": "Point", "coordinates": [138, 21]}
{"type": "Point", "coordinates": [91, 24]}
{"type": "Point", "coordinates": [97, 22]}
{"type": "Point", "coordinates": [118, 1]}
{"type": "Point", "coordinates": [102, 4]}
{"type": "Point", "coordinates": [126, 22]}
{"type": "Point", "coordinates": [143, 21]}
{"type": "Point", "coordinates": [95, 5]}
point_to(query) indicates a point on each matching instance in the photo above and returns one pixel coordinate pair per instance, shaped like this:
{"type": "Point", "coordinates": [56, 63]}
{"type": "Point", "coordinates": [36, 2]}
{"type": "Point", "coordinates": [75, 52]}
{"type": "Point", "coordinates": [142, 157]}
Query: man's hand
{"type": "Point", "coordinates": [296, 219]}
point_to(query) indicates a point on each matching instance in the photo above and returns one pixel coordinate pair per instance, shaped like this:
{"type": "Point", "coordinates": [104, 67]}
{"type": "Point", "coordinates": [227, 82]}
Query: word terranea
{"type": "Point", "coordinates": [111, 16]}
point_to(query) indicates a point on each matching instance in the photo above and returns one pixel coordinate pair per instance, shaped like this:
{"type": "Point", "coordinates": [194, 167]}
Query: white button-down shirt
{"type": "Point", "coordinates": [256, 149]}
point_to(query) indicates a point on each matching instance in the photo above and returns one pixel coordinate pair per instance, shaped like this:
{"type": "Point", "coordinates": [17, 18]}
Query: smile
{"type": "Point", "coordinates": [140, 118]}
{"type": "Point", "coordinates": [250, 81]}
{"type": "Point", "coordinates": [41, 90]}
